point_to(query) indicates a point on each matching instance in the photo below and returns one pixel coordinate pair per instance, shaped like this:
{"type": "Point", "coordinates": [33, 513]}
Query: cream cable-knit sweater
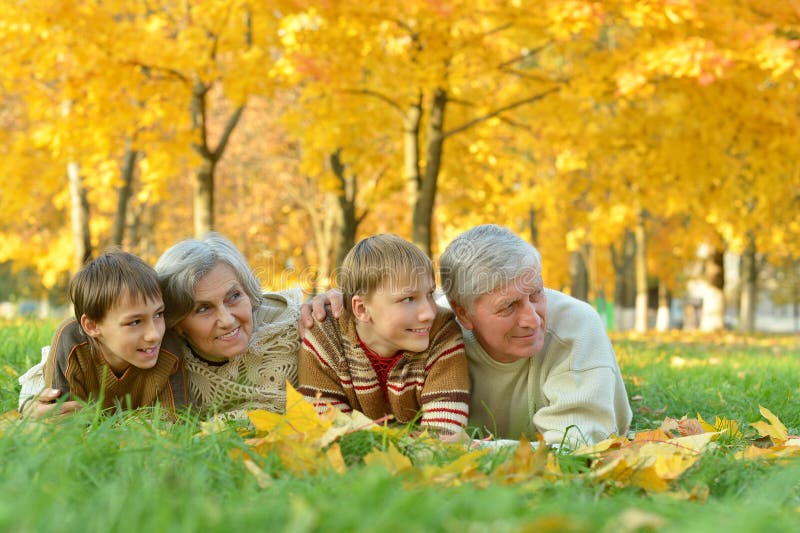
{"type": "Point", "coordinates": [257, 378]}
{"type": "Point", "coordinates": [572, 386]}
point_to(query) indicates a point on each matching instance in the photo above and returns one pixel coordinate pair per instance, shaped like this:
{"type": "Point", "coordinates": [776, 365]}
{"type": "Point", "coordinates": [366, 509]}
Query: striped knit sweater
{"type": "Point", "coordinates": [334, 369]}
{"type": "Point", "coordinates": [78, 370]}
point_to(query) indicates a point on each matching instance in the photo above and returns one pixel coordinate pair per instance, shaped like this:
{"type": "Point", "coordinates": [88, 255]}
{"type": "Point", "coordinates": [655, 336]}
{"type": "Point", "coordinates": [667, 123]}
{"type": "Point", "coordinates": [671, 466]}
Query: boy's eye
{"type": "Point", "coordinates": [201, 309]}
{"type": "Point", "coordinates": [159, 314]}
{"type": "Point", "coordinates": [134, 322]}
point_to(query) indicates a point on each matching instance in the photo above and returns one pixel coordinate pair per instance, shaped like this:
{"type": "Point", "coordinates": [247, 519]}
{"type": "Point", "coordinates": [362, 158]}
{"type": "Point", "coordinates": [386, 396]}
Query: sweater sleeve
{"type": "Point", "coordinates": [58, 374]}
{"type": "Point", "coordinates": [318, 380]}
{"type": "Point", "coordinates": [445, 394]}
{"type": "Point", "coordinates": [585, 396]}
{"type": "Point", "coordinates": [32, 381]}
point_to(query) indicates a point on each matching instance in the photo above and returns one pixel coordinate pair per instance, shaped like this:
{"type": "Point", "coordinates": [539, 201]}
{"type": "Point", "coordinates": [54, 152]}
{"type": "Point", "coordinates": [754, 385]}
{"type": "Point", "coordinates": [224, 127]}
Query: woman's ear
{"type": "Point", "coordinates": [90, 326]}
{"type": "Point", "coordinates": [461, 315]}
{"type": "Point", "coordinates": [359, 306]}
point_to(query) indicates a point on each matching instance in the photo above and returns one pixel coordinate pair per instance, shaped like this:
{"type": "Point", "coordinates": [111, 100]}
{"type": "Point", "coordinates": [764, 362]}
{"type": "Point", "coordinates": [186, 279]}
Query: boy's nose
{"type": "Point", "coordinates": [427, 311]}
{"type": "Point", "coordinates": [153, 333]}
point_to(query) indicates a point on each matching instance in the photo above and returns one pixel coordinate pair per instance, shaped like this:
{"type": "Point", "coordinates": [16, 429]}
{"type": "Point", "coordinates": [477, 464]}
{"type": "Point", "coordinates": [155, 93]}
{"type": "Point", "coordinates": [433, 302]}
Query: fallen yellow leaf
{"type": "Point", "coordinates": [774, 429]}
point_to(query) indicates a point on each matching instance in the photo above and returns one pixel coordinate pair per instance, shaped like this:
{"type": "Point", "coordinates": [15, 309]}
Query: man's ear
{"type": "Point", "coordinates": [359, 306]}
{"type": "Point", "coordinates": [90, 326]}
{"type": "Point", "coordinates": [461, 315]}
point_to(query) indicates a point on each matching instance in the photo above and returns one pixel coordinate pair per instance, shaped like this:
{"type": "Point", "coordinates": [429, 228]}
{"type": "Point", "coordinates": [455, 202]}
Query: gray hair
{"type": "Point", "coordinates": [185, 263]}
{"type": "Point", "coordinates": [481, 259]}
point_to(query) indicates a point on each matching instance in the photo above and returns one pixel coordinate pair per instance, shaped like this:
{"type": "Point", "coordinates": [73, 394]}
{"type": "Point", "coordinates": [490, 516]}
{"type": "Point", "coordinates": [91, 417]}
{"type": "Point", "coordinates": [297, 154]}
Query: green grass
{"type": "Point", "coordinates": [130, 473]}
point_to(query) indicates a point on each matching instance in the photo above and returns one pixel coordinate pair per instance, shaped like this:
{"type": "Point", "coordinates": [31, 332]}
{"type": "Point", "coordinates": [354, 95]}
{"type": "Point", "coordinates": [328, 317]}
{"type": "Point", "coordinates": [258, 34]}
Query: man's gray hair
{"type": "Point", "coordinates": [482, 259]}
{"type": "Point", "coordinates": [185, 263]}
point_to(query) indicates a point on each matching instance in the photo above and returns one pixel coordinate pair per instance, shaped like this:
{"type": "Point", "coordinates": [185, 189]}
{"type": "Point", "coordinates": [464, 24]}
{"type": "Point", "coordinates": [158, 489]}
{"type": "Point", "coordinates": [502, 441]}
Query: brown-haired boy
{"type": "Point", "coordinates": [393, 352]}
{"type": "Point", "coordinates": [112, 350]}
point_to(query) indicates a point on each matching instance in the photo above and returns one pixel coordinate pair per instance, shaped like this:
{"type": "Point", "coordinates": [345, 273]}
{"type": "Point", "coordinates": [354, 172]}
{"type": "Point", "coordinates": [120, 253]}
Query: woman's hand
{"type": "Point", "coordinates": [315, 310]}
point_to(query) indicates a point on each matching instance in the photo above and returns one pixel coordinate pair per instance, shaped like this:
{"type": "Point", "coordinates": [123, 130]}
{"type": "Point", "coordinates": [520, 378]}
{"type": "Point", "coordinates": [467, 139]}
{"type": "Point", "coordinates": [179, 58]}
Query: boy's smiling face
{"type": "Point", "coordinates": [398, 316]}
{"type": "Point", "coordinates": [130, 333]}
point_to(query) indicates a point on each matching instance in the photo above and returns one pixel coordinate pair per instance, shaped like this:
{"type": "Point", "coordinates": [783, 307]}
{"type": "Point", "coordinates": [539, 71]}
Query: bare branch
{"type": "Point", "coordinates": [226, 135]}
{"type": "Point", "coordinates": [375, 94]}
{"type": "Point", "coordinates": [498, 111]}
{"type": "Point", "coordinates": [522, 56]}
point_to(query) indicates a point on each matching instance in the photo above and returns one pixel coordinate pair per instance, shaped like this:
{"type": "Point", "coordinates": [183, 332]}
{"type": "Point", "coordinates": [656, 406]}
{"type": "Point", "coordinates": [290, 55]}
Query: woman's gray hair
{"type": "Point", "coordinates": [481, 259]}
{"type": "Point", "coordinates": [185, 263]}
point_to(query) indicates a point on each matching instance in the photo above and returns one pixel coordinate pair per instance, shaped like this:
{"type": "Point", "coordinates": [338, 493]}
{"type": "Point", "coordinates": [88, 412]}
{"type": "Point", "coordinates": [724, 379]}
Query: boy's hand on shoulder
{"type": "Point", "coordinates": [45, 405]}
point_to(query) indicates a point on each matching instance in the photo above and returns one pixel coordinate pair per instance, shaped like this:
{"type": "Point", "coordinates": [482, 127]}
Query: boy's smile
{"type": "Point", "coordinates": [396, 317]}
{"type": "Point", "coordinates": [130, 334]}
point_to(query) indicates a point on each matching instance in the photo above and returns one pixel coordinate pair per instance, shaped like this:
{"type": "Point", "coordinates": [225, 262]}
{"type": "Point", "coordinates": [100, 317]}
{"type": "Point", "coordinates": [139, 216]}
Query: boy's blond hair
{"type": "Point", "coordinates": [378, 260]}
{"type": "Point", "coordinates": [100, 284]}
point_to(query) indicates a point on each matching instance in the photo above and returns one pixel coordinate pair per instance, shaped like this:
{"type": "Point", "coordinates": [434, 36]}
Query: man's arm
{"type": "Point", "coordinates": [581, 397]}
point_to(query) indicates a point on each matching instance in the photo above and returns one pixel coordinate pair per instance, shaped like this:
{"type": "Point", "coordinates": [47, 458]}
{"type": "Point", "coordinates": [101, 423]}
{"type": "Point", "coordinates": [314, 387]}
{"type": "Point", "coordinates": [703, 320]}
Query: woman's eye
{"type": "Point", "coordinates": [234, 296]}
{"type": "Point", "coordinates": [201, 309]}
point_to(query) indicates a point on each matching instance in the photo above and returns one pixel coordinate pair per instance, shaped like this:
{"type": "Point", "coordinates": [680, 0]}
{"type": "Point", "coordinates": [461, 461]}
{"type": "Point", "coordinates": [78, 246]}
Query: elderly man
{"type": "Point", "coordinates": [539, 360]}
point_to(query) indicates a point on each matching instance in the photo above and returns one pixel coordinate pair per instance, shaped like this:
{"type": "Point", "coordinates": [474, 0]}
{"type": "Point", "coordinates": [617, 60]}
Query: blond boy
{"type": "Point", "coordinates": [393, 352]}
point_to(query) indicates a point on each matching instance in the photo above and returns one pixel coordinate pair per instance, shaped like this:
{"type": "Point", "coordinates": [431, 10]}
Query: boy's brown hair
{"type": "Point", "coordinates": [379, 259]}
{"type": "Point", "coordinates": [103, 281]}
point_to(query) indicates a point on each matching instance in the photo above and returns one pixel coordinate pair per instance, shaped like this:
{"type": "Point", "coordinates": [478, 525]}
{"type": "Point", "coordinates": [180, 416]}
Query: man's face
{"type": "Point", "coordinates": [511, 321]}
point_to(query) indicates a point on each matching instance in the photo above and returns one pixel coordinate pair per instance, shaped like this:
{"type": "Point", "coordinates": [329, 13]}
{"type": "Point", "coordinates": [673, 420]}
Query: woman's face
{"type": "Point", "coordinates": [221, 322]}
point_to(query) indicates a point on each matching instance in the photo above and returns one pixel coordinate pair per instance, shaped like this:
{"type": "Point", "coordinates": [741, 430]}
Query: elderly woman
{"type": "Point", "coordinates": [239, 344]}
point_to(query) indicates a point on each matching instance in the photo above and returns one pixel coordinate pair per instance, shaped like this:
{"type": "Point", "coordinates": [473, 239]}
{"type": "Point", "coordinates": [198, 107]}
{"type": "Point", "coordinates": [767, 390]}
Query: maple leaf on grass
{"type": "Point", "coordinates": [783, 444]}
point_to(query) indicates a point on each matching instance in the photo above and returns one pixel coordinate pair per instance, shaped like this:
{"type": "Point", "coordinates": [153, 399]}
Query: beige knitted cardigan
{"type": "Point", "coordinates": [257, 378]}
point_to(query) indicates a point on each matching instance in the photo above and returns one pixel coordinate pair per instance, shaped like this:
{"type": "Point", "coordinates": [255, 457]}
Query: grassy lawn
{"type": "Point", "coordinates": [130, 473]}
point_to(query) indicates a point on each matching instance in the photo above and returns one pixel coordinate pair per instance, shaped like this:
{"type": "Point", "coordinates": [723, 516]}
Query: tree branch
{"type": "Point", "coordinates": [375, 94]}
{"type": "Point", "coordinates": [226, 134]}
{"type": "Point", "coordinates": [498, 111]}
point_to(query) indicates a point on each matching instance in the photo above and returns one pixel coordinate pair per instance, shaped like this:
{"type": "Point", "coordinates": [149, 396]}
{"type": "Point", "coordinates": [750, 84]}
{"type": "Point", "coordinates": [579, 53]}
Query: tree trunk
{"type": "Point", "coordinates": [747, 298]}
{"type": "Point", "coordinates": [578, 275]}
{"type": "Point", "coordinates": [124, 195]}
{"type": "Point", "coordinates": [624, 287]}
{"type": "Point", "coordinates": [423, 209]}
{"type": "Point", "coordinates": [411, 125]}
{"type": "Point", "coordinates": [79, 216]}
{"type": "Point", "coordinates": [204, 199]}
{"type": "Point", "coordinates": [640, 320]}
{"type": "Point", "coordinates": [204, 186]}
{"type": "Point", "coordinates": [713, 313]}
{"type": "Point", "coordinates": [534, 228]}
{"type": "Point", "coordinates": [663, 314]}
{"type": "Point", "coordinates": [79, 207]}
{"type": "Point", "coordinates": [349, 221]}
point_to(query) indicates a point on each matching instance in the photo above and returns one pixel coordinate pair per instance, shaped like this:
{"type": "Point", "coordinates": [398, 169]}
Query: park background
{"type": "Point", "coordinates": [648, 148]}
